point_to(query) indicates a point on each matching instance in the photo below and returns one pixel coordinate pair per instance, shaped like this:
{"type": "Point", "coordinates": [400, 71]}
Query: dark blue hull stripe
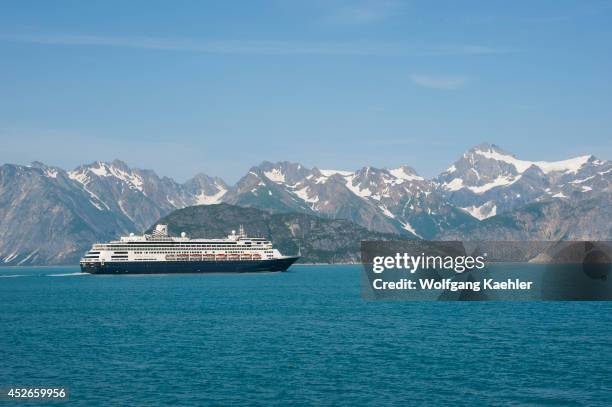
{"type": "Point", "coordinates": [163, 267]}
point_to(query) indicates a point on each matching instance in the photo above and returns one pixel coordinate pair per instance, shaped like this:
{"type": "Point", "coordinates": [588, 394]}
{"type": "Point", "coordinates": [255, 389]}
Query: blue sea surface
{"type": "Point", "coordinates": [304, 337]}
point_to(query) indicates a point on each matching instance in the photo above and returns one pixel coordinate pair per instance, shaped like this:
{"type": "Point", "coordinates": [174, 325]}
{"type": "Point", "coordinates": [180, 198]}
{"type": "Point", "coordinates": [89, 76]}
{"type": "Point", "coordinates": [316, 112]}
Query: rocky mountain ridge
{"type": "Point", "coordinates": [49, 215]}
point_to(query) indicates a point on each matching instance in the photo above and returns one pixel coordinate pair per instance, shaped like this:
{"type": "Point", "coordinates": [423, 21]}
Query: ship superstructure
{"type": "Point", "coordinates": [159, 252]}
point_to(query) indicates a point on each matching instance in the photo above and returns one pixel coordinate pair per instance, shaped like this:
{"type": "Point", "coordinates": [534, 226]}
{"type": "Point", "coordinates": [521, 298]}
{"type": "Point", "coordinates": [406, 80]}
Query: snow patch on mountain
{"type": "Point", "coordinates": [275, 175]}
{"type": "Point", "coordinates": [497, 182]}
{"type": "Point", "coordinates": [133, 180]}
{"type": "Point", "coordinates": [203, 199]}
{"type": "Point", "coordinates": [386, 211]}
{"type": "Point", "coordinates": [100, 171]}
{"type": "Point", "coordinates": [401, 173]}
{"type": "Point", "coordinates": [80, 177]}
{"type": "Point", "coordinates": [329, 173]}
{"type": "Point", "coordinates": [407, 226]}
{"type": "Point", "coordinates": [96, 204]}
{"type": "Point", "coordinates": [125, 212]}
{"type": "Point", "coordinates": [363, 193]}
{"type": "Point", "coordinates": [454, 185]}
{"type": "Point", "coordinates": [483, 211]}
{"type": "Point", "coordinates": [171, 201]}
{"type": "Point", "coordinates": [83, 179]}
{"type": "Point", "coordinates": [11, 256]}
{"type": "Point", "coordinates": [51, 172]}
{"type": "Point", "coordinates": [580, 181]}
{"type": "Point", "coordinates": [28, 257]}
{"type": "Point", "coordinates": [570, 166]}
{"type": "Point", "coordinates": [303, 195]}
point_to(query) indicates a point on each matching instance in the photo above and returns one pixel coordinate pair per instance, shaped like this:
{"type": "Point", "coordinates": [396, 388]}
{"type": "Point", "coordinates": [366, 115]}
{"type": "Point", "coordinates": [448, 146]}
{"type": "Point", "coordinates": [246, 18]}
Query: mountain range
{"type": "Point", "coordinates": [50, 216]}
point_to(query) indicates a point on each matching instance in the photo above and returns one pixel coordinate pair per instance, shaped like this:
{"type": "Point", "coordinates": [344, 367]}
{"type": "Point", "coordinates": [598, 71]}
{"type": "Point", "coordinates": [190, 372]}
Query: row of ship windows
{"type": "Point", "coordinates": [95, 256]}
{"type": "Point", "coordinates": [268, 250]}
{"type": "Point", "coordinates": [191, 251]}
{"type": "Point", "coordinates": [195, 252]}
{"type": "Point", "coordinates": [180, 247]}
{"type": "Point", "coordinates": [229, 251]}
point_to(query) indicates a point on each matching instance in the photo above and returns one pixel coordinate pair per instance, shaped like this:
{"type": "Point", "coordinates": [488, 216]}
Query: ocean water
{"type": "Point", "coordinates": [304, 337]}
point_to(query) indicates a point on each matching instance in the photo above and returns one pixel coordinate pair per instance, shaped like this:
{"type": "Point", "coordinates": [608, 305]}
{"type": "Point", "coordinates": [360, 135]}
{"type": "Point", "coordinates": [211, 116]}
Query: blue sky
{"type": "Point", "coordinates": [216, 87]}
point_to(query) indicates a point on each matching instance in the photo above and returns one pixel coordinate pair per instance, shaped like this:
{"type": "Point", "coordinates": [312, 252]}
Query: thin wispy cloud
{"type": "Point", "coordinates": [443, 82]}
{"type": "Point", "coordinates": [256, 47]}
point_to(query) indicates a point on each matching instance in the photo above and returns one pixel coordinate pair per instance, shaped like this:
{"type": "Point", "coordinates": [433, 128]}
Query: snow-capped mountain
{"type": "Point", "coordinates": [484, 182]}
{"type": "Point", "coordinates": [205, 190]}
{"type": "Point", "coordinates": [350, 195]}
{"type": "Point", "coordinates": [487, 181]}
{"type": "Point", "coordinates": [385, 200]}
{"type": "Point", "coordinates": [49, 215]}
{"type": "Point", "coordinates": [47, 218]}
{"type": "Point", "coordinates": [271, 192]}
{"type": "Point", "coordinates": [140, 195]}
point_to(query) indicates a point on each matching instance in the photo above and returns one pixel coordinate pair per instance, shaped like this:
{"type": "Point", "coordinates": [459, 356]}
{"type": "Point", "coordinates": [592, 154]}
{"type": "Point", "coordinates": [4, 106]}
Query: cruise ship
{"type": "Point", "coordinates": [161, 253]}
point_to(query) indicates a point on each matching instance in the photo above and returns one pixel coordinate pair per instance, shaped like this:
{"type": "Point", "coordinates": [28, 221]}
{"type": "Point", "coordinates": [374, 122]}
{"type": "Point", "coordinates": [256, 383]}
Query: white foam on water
{"type": "Point", "coordinates": [67, 274]}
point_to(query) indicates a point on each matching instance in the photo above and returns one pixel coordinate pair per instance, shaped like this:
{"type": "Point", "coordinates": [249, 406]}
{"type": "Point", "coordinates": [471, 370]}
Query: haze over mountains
{"type": "Point", "coordinates": [50, 216]}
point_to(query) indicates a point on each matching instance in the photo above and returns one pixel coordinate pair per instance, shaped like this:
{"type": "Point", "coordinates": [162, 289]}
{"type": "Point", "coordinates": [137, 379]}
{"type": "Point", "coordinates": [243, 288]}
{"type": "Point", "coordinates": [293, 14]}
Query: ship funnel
{"type": "Point", "coordinates": [160, 230]}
